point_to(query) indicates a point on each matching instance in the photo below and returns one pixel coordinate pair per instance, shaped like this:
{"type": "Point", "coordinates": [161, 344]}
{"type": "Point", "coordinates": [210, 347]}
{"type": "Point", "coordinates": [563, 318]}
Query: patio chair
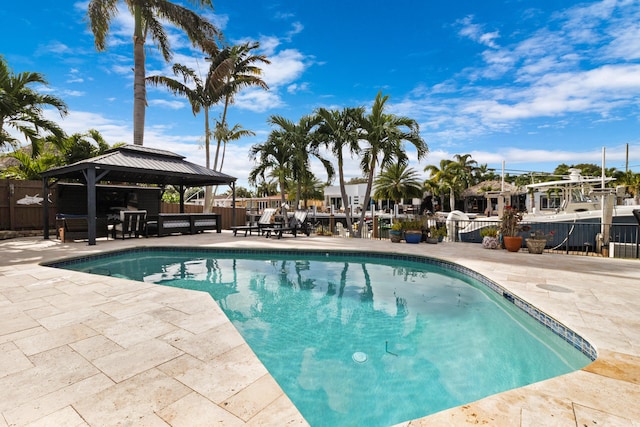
{"type": "Point", "coordinates": [342, 231]}
{"type": "Point", "coordinates": [132, 224]}
{"type": "Point", "coordinates": [263, 222]}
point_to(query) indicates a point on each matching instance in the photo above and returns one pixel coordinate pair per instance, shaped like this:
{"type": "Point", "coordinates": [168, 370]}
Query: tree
{"type": "Point", "coordinates": [243, 73]}
{"type": "Point", "coordinates": [303, 148]}
{"type": "Point", "coordinates": [266, 188]}
{"type": "Point", "coordinates": [385, 135]}
{"type": "Point", "coordinates": [230, 69]}
{"type": "Point", "coordinates": [340, 131]}
{"type": "Point", "coordinates": [30, 167]}
{"type": "Point", "coordinates": [226, 135]}
{"type": "Point", "coordinates": [446, 178]}
{"type": "Point", "coordinates": [631, 181]}
{"type": "Point", "coordinates": [396, 182]}
{"type": "Point", "coordinates": [483, 173]}
{"type": "Point", "coordinates": [310, 188]}
{"type": "Point", "coordinates": [467, 167]}
{"type": "Point", "coordinates": [21, 109]}
{"type": "Point", "coordinates": [79, 147]}
{"type": "Point", "coordinates": [273, 158]}
{"type": "Point", "coordinates": [148, 21]}
{"type": "Point", "coordinates": [586, 169]}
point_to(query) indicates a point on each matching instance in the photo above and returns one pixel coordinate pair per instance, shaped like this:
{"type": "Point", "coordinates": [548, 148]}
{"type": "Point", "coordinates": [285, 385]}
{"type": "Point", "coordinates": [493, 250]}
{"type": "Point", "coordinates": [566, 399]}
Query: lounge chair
{"type": "Point", "coordinates": [297, 223]}
{"type": "Point", "coordinates": [263, 222]}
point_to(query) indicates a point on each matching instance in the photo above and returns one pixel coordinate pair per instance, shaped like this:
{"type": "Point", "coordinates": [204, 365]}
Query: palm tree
{"type": "Point", "coordinates": [340, 131]}
{"type": "Point", "coordinates": [21, 109]}
{"type": "Point", "coordinates": [385, 134]}
{"type": "Point", "coordinates": [30, 167]}
{"type": "Point", "coordinates": [202, 95]}
{"type": "Point", "coordinates": [483, 173]}
{"type": "Point", "coordinates": [396, 182]}
{"type": "Point", "coordinates": [446, 178]}
{"type": "Point", "coordinates": [311, 188]}
{"type": "Point", "coordinates": [197, 92]}
{"type": "Point", "coordinates": [79, 146]}
{"type": "Point", "coordinates": [148, 20]}
{"type": "Point", "coordinates": [266, 188]}
{"type": "Point", "coordinates": [467, 166]}
{"type": "Point", "coordinates": [273, 159]}
{"type": "Point", "coordinates": [226, 135]}
{"type": "Point", "coordinates": [303, 148]}
{"type": "Point", "coordinates": [243, 73]}
{"type": "Point", "coordinates": [631, 181]}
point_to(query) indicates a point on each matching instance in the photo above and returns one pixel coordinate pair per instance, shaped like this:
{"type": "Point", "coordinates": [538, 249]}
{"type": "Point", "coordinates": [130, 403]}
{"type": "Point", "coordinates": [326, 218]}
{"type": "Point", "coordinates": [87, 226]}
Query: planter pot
{"type": "Point", "coordinates": [512, 243]}
{"type": "Point", "coordinates": [395, 236]}
{"type": "Point", "coordinates": [432, 240]}
{"type": "Point", "coordinates": [536, 246]}
{"type": "Point", "coordinates": [412, 236]}
{"type": "Point", "coordinates": [490, 242]}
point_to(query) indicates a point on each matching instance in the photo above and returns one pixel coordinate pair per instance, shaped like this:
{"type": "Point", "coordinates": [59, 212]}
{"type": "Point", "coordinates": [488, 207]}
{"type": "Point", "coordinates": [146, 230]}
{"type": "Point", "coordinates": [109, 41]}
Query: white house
{"type": "Point", "coordinates": [355, 192]}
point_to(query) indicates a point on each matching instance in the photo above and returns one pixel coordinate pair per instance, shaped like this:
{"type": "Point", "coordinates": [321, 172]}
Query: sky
{"type": "Point", "coordinates": [530, 84]}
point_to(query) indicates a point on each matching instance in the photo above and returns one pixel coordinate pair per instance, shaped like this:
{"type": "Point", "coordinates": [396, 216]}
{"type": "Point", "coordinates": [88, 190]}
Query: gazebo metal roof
{"type": "Point", "coordinates": [142, 165]}
{"type": "Point", "coordinates": [133, 164]}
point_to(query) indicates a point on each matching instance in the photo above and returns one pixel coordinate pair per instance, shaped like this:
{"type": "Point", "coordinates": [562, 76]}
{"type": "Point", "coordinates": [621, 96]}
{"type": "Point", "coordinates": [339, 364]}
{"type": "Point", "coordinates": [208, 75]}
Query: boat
{"type": "Point", "coordinates": [571, 208]}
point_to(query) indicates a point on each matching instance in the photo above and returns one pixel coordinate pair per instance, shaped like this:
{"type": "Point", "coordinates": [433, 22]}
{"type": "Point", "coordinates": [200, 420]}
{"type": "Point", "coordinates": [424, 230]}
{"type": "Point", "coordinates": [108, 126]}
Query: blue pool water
{"type": "Point", "coordinates": [357, 340]}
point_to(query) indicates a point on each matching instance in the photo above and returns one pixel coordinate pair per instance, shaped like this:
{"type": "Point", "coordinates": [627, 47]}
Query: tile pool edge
{"type": "Point", "coordinates": [549, 322]}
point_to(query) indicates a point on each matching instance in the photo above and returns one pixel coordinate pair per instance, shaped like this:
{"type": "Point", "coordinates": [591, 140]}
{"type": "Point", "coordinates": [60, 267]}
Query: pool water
{"type": "Point", "coordinates": [356, 341]}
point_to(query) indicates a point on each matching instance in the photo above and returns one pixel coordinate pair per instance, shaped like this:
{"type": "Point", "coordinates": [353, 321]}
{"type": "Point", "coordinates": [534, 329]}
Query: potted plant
{"type": "Point", "coordinates": [490, 237]}
{"type": "Point", "coordinates": [436, 234]}
{"type": "Point", "coordinates": [395, 232]}
{"type": "Point", "coordinates": [537, 241]}
{"type": "Point", "coordinates": [412, 231]}
{"type": "Point", "coordinates": [510, 228]}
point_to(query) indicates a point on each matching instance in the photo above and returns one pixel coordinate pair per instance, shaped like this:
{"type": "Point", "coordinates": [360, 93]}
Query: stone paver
{"type": "Point", "coordinates": [77, 349]}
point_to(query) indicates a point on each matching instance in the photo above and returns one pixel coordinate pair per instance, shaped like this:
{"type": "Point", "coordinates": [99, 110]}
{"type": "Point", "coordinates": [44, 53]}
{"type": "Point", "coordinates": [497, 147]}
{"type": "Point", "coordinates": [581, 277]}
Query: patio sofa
{"type": "Point", "coordinates": [166, 224]}
{"type": "Point", "coordinates": [71, 227]}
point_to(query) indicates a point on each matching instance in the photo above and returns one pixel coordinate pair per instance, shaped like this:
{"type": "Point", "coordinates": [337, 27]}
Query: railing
{"type": "Point", "coordinates": [576, 238]}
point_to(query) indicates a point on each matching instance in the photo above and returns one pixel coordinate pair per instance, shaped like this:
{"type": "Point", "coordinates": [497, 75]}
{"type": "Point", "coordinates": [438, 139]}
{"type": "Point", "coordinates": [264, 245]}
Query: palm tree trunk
{"type": "Point", "coordinates": [367, 194]}
{"type": "Point", "coordinates": [452, 199]}
{"type": "Point", "coordinates": [139, 88]}
{"type": "Point", "coordinates": [343, 193]}
{"type": "Point", "coordinates": [227, 99]}
{"type": "Point", "coordinates": [208, 199]}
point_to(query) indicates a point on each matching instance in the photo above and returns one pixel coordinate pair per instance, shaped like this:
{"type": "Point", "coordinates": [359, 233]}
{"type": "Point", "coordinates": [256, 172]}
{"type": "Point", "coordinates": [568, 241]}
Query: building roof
{"type": "Point", "coordinates": [143, 165]}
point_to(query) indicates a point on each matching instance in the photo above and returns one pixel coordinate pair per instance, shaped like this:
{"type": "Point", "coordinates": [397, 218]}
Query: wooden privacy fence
{"type": "Point", "coordinates": [21, 207]}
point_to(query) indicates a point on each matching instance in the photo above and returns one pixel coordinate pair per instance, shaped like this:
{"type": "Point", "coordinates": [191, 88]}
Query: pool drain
{"type": "Point", "coordinates": [359, 357]}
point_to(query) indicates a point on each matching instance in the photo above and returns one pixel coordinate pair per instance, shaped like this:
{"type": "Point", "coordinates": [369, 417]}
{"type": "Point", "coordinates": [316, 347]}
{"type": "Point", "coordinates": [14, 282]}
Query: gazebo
{"type": "Point", "coordinates": [132, 164]}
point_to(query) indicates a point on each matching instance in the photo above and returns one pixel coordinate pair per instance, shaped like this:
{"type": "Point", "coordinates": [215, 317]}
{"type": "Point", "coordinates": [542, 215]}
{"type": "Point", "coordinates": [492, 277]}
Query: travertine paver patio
{"type": "Point", "coordinates": [77, 349]}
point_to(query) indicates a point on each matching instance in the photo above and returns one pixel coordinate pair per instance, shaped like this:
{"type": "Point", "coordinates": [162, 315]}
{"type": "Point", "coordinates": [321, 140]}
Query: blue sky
{"type": "Point", "coordinates": [533, 84]}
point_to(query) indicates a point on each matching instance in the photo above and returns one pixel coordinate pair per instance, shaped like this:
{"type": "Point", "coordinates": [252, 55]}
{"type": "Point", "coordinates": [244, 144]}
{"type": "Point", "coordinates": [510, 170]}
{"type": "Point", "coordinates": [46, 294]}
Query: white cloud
{"type": "Point", "coordinates": [268, 44]}
{"type": "Point", "coordinates": [163, 103]}
{"type": "Point", "coordinates": [476, 33]}
{"type": "Point", "coordinates": [286, 66]}
{"type": "Point", "coordinates": [74, 93]}
{"type": "Point", "coordinates": [258, 100]}
{"type": "Point", "coordinates": [298, 87]}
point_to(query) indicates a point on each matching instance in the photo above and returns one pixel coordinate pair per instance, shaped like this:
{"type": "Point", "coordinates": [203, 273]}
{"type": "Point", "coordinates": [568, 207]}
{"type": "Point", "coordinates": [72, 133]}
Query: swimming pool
{"type": "Point", "coordinates": [366, 339]}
